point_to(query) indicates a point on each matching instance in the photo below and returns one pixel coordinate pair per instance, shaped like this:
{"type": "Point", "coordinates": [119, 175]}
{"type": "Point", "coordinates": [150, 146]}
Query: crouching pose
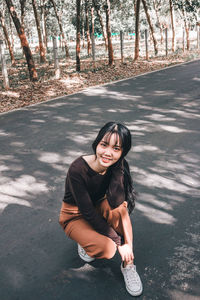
{"type": "Point", "coordinates": [98, 199]}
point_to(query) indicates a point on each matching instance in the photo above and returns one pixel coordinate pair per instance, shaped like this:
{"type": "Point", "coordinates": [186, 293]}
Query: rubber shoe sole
{"type": "Point", "coordinates": [83, 255]}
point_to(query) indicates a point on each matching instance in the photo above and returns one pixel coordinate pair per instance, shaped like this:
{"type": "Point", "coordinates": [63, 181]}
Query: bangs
{"type": "Point", "coordinates": [118, 138]}
{"type": "Point", "coordinates": [122, 136]}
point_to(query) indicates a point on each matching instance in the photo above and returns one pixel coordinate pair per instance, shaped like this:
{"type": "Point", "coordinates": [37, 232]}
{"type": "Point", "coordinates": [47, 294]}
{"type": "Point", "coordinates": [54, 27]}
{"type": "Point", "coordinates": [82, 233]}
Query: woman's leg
{"type": "Point", "coordinates": [95, 244]}
{"type": "Point", "coordinates": [119, 219]}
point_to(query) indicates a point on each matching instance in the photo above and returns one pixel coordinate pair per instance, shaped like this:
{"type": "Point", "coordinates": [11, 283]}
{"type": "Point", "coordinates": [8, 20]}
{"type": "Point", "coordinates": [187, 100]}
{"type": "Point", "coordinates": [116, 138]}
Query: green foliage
{"type": "Point", "coordinates": [122, 16]}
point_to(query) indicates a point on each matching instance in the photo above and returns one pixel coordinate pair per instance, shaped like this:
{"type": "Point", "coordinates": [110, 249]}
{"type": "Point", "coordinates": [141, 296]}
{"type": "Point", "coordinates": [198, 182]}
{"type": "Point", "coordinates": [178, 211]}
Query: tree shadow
{"type": "Point", "coordinates": [38, 144]}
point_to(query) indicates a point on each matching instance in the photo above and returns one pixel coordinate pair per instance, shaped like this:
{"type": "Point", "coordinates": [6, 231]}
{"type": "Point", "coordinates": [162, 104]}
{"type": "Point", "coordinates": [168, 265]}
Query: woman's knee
{"type": "Point", "coordinates": [108, 248]}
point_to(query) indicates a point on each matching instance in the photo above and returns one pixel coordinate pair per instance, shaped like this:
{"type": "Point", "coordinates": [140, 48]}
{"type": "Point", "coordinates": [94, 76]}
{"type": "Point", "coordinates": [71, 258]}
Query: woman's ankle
{"type": "Point", "coordinates": [124, 263]}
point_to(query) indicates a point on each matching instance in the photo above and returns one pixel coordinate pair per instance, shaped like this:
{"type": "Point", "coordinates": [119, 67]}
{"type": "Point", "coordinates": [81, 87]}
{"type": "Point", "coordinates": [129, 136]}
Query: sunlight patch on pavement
{"type": "Point", "coordinates": [160, 117]}
{"type": "Point", "coordinates": [50, 157]}
{"type": "Point", "coordinates": [196, 79]}
{"type": "Point", "coordinates": [7, 199]}
{"type": "Point", "coordinates": [81, 272]}
{"type": "Point", "coordinates": [4, 133]}
{"type": "Point", "coordinates": [61, 119]}
{"type": "Point", "coordinates": [155, 215]}
{"type": "Point", "coordinates": [81, 139]}
{"type": "Point", "coordinates": [118, 110]}
{"type": "Point", "coordinates": [182, 113]}
{"type": "Point", "coordinates": [57, 161]}
{"type": "Point", "coordinates": [143, 148]}
{"type": "Point", "coordinates": [96, 110]}
{"type": "Point", "coordinates": [173, 129]}
{"type": "Point", "coordinates": [163, 93]}
{"type": "Point", "coordinates": [17, 144]}
{"type": "Point", "coordinates": [19, 190]}
{"type": "Point", "coordinates": [152, 200]}
{"type": "Point", "coordinates": [189, 180]}
{"type": "Point", "coordinates": [103, 91]}
{"type": "Point", "coordinates": [38, 121]}
{"type": "Point", "coordinates": [95, 91]}
{"type": "Point", "coordinates": [154, 180]}
{"type": "Point", "coordinates": [85, 122]}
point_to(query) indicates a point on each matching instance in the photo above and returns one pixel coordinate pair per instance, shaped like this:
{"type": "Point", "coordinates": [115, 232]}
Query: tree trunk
{"type": "Point", "coordinates": [155, 5]}
{"type": "Point", "coordinates": [24, 42]}
{"type": "Point", "coordinates": [186, 27]}
{"type": "Point", "coordinates": [134, 5]}
{"type": "Point", "coordinates": [61, 28]}
{"type": "Point", "coordinates": [137, 33]}
{"type": "Point", "coordinates": [151, 26]}
{"type": "Point", "coordinates": [3, 66]}
{"type": "Point", "coordinates": [92, 19]}
{"type": "Point", "coordinates": [41, 47]}
{"type": "Point", "coordinates": [87, 27]}
{"type": "Point", "coordinates": [173, 25]}
{"type": "Point", "coordinates": [83, 28]}
{"type": "Point", "coordinates": [11, 32]}
{"type": "Point", "coordinates": [108, 29]}
{"type": "Point", "coordinates": [22, 4]}
{"type": "Point", "coordinates": [43, 19]}
{"type": "Point", "coordinates": [2, 20]}
{"type": "Point", "coordinates": [97, 8]}
{"type": "Point", "coordinates": [78, 35]}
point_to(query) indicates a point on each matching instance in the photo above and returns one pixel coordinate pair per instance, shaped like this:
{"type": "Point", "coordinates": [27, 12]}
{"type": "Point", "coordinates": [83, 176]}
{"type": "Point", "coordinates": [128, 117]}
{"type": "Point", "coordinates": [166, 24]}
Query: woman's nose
{"type": "Point", "coordinates": [107, 152]}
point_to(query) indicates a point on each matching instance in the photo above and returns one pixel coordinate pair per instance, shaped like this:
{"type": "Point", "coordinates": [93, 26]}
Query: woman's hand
{"type": "Point", "coordinates": [126, 253]}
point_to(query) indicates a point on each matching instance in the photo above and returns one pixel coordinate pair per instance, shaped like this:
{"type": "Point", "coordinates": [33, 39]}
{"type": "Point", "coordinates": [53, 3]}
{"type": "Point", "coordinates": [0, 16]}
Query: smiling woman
{"type": "Point", "coordinates": [96, 205]}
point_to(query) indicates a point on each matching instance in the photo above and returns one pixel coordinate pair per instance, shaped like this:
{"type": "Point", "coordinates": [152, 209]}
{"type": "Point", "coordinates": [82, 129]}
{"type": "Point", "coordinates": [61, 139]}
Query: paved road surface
{"type": "Point", "coordinates": [37, 144]}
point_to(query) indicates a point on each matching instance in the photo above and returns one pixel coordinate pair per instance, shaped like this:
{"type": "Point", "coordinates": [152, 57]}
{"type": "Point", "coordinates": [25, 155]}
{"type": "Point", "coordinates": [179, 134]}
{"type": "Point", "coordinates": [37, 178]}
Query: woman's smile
{"type": "Point", "coordinates": [108, 151]}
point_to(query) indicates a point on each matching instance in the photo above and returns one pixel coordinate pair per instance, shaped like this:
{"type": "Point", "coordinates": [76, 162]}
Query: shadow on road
{"type": "Point", "coordinates": [38, 144]}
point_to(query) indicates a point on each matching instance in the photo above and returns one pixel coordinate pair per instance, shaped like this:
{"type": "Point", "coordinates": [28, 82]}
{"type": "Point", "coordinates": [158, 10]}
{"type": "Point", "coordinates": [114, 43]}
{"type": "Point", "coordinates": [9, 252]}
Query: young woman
{"type": "Point", "coordinates": [98, 199]}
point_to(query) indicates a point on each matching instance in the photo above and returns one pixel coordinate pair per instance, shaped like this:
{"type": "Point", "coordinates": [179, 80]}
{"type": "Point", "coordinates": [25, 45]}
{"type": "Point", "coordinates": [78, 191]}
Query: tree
{"type": "Point", "coordinates": [87, 27]}
{"type": "Point", "coordinates": [61, 28]}
{"type": "Point", "coordinates": [97, 8]}
{"type": "Point", "coordinates": [78, 34]}
{"type": "Point", "coordinates": [150, 26]}
{"type": "Point", "coordinates": [5, 31]}
{"type": "Point", "coordinates": [186, 27]}
{"type": "Point", "coordinates": [24, 42]}
{"type": "Point", "coordinates": [173, 25]}
{"type": "Point", "coordinates": [43, 21]}
{"type": "Point", "coordinates": [37, 21]}
{"type": "Point", "coordinates": [22, 4]}
{"type": "Point", "coordinates": [137, 33]}
{"type": "Point", "coordinates": [108, 29]}
{"type": "Point", "coordinates": [156, 5]}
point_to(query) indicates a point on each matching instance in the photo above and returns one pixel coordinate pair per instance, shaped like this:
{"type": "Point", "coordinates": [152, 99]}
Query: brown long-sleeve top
{"type": "Point", "coordinates": [84, 187]}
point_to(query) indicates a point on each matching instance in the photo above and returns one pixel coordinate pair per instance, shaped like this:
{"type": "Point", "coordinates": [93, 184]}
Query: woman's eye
{"type": "Point", "coordinates": [116, 148]}
{"type": "Point", "coordinates": [103, 144]}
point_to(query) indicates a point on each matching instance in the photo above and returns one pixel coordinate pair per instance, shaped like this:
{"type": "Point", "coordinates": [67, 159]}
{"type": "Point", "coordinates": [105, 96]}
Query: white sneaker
{"type": "Point", "coordinates": [132, 280]}
{"type": "Point", "coordinates": [83, 255]}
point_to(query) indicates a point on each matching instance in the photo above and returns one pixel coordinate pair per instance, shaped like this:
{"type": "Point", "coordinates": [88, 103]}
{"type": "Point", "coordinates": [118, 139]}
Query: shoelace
{"type": "Point", "coordinates": [132, 276]}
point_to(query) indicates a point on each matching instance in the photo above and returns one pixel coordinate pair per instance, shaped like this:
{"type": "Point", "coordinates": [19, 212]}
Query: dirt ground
{"type": "Point", "coordinates": [22, 92]}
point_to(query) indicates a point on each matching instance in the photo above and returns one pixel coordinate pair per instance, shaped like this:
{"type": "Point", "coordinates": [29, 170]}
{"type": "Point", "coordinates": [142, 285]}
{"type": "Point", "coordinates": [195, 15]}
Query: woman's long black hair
{"type": "Point", "coordinates": [125, 138]}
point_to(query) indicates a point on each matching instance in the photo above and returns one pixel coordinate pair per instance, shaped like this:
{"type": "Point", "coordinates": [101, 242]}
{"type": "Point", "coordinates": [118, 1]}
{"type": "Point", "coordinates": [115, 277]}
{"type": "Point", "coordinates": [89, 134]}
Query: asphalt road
{"type": "Point", "coordinates": [37, 144]}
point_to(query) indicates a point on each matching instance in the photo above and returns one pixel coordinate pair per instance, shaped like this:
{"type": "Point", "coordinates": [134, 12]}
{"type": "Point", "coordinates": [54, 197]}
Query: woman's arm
{"type": "Point", "coordinates": [80, 194]}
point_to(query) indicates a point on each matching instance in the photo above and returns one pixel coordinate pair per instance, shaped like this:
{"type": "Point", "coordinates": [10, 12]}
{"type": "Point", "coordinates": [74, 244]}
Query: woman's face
{"type": "Point", "coordinates": [109, 150]}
